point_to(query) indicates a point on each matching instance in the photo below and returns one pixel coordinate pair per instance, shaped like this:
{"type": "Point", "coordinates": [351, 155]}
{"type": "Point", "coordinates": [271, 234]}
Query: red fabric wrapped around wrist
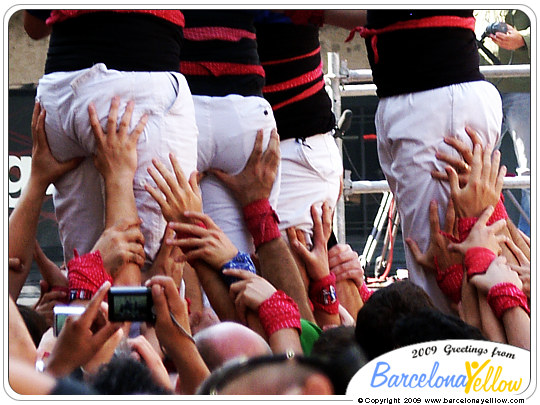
{"type": "Point", "coordinates": [322, 293]}
{"type": "Point", "coordinates": [279, 312]}
{"type": "Point", "coordinates": [477, 260]}
{"type": "Point", "coordinates": [504, 296]}
{"type": "Point", "coordinates": [465, 224]}
{"type": "Point", "coordinates": [261, 221]}
{"type": "Point", "coordinates": [86, 274]}
{"type": "Point", "coordinates": [365, 293]}
{"type": "Point", "coordinates": [450, 280]}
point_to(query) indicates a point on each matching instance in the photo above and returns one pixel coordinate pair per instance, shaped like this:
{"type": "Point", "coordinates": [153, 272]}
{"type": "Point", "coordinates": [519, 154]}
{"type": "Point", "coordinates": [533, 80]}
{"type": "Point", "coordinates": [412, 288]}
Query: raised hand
{"type": "Point", "coordinates": [45, 168]}
{"type": "Point", "coordinates": [316, 260]}
{"type": "Point", "coordinates": [208, 243]}
{"type": "Point", "coordinates": [438, 245]}
{"type": "Point", "coordinates": [116, 150]}
{"type": "Point", "coordinates": [462, 164]}
{"type": "Point", "coordinates": [482, 235]}
{"type": "Point", "coordinates": [248, 293]}
{"type": "Point", "coordinates": [344, 263]}
{"type": "Point", "coordinates": [511, 40]}
{"type": "Point", "coordinates": [120, 244]}
{"type": "Point", "coordinates": [483, 187]}
{"type": "Point", "coordinates": [48, 300]}
{"type": "Point", "coordinates": [256, 180]}
{"type": "Point", "coordinates": [82, 337]}
{"type": "Point", "coordinates": [170, 260]}
{"type": "Point", "coordinates": [497, 272]}
{"type": "Point", "coordinates": [176, 194]}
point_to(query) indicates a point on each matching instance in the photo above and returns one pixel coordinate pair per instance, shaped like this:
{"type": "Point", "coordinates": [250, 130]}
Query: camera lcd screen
{"type": "Point", "coordinates": [130, 304]}
{"type": "Point", "coordinates": [61, 313]}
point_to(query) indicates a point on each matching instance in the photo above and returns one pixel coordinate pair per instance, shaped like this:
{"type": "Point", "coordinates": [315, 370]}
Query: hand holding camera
{"type": "Point", "coordinates": [171, 313]}
{"type": "Point", "coordinates": [510, 39]}
{"type": "Point", "coordinates": [82, 336]}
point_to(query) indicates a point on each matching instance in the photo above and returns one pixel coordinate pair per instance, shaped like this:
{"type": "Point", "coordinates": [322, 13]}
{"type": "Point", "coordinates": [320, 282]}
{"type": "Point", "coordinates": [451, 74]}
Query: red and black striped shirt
{"type": "Point", "coordinates": [219, 56]}
{"type": "Point", "coordinates": [289, 50]}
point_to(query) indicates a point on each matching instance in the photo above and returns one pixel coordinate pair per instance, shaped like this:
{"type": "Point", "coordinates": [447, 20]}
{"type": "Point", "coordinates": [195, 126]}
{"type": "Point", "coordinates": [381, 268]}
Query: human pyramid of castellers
{"type": "Point", "coordinates": [196, 175]}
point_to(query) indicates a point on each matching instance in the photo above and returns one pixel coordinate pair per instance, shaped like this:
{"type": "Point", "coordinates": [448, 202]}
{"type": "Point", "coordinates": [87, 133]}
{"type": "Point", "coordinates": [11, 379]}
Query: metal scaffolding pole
{"type": "Point", "coordinates": [335, 95]}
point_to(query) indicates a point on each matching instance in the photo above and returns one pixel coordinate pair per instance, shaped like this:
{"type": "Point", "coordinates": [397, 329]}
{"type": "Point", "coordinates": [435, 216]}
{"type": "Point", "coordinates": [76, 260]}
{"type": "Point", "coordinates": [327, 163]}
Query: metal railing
{"type": "Point", "coordinates": [343, 82]}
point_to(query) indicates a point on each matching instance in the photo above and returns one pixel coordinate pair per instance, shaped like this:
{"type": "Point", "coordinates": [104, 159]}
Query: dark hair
{"type": "Point", "coordinates": [337, 347]}
{"type": "Point", "coordinates": [376, 318]}
{"type": "Point", "coordinates": [124, 375]}
{"type": "Point", "coordinates": [431, 324]}
{"type": "Point", "coordinates": [299, 366]}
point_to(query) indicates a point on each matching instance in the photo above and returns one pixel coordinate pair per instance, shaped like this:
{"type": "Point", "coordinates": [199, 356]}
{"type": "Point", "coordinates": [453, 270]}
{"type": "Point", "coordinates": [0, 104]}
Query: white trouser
{"type": "Point", "coordinates": [410, 130]}
{"type": "Point", "coordinates": [227, 130]}
{"type": "Point", "coordinates": [171, 127]}
{"type": "Point", "coordinates": [311, 172]}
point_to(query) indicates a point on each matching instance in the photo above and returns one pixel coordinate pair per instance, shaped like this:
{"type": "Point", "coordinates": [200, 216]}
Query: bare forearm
{"type": "Point", "coordinates": [285, 340]}
{"type": "Point", "coordinates": [216, 290]}
{"type": "Point", "coordinates": [518, 238]}
{"type": "Point", "coordinates": [349, 297]}
{"type": "Point", "coordinates": [23, 223]}
{"type": "Point", "coordinates": [119, 204]}
{"type": "Point", "coordinates": [279, 268]}
{"type": "Point", "coordinates": [192, 370]}
{"type": "Point", "coordinates": [193, 288]}
{"type": "Point", "coordinates": [517, 325]}
{"type": "Point", "coordinates": [493, 328]}
{"type": "Point", "coordinates": [470, 306]}
{"type": "Point", "coordinates": [119, 200]}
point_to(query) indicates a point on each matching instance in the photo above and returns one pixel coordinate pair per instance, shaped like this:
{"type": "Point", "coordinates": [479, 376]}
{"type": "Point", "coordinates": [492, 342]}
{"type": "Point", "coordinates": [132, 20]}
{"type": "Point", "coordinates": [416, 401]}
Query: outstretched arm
{"type": "Point", "coordinates": [322, 283]}
{"type": "Point", "coordinates": [116, 160]}
{"type": "Point", "coordinates": [251, 187]}
{"type": "Point", "coordinates": [24, 219]}
{"type": "Point", "coordinates": [181, 203]}
{"type": "Point", "coordinates": [278, 316]}
{"type": "Point", "coordinates": [174, 333]}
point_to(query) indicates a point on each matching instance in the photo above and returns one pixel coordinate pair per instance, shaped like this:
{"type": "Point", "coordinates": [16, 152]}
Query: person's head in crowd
{"type": "Point", "coordinates": [124, 375]}
{"type": "Point", "coordinates": [377, 317]}
{"type": "Point", "coordinates": [225, 341]}
{"type": "Point", "coordinates": [428, 325]}
{"type": "Point", "coordinates": [338, 348]}
{"type": "Point", "coordinates": [35, 322]}
{"type": "Point", "coordinates": [281, 374]}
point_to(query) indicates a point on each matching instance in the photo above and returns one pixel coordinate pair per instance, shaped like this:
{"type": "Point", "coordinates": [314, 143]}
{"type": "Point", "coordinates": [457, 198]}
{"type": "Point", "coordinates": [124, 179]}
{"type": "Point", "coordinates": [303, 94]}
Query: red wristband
{"type": "Point", "coordinates": [477, 260]}
{"type": "Point", "coordinates": [365, 293]}
{"type": "Point", "coordinates": [86, 274]}
{"type": "Point", "coordinates": [279, 312]}
{"type": "Point", "coordinates": [322, 293]}
{"type": "Point", "coordinates": [450, 280]}
{"type": "Point", "coordinates": [465, 224]}
{"type": "Point", "coordinates": [504, 296]}
{"type": "Point", "coordinates": [261, 221]}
